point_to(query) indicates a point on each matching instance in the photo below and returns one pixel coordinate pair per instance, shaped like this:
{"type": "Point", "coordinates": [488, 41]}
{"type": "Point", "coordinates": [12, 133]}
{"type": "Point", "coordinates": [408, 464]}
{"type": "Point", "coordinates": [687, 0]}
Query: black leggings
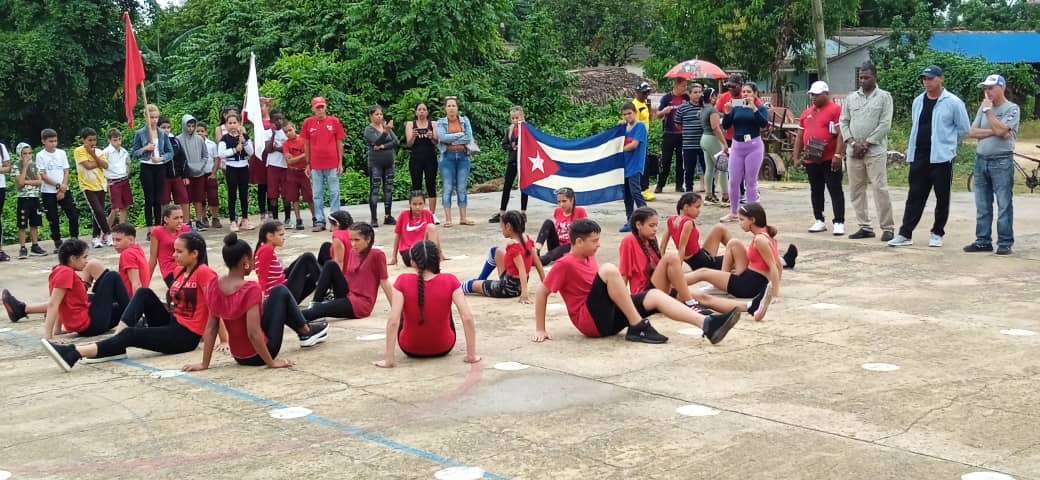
{"type": "Point", "coordinates": [340, 306]}
{"type": "Point", "coordinates": [107, 303]}
{"type": "Point", "coordinates": [96, 202]}
{"type": "Point", "coordinates": [671, 146]}
{"type": "Point", "coordinates": [237, 184]}
{"type": "Point", "coordinates": [420, 166]}
{"type": "Point", "coordinates": [548, 237]}
{"type": "Point", "coordinates": [280, 309]}
{"type": "Point", "coordinates": [301, 276]}
{"type": "Point", "coordinates": [381, 177]}
{"type": "Point", "coordinates": [511, 173]}
{"type": "Point", "coordinates": [161, 332]}
{"type": "Point", "coordinates": [50, 206]}
{"type": "Point", "coordinates": [261, 200]}
{"type": "Point", "coordinates": [153, 177]}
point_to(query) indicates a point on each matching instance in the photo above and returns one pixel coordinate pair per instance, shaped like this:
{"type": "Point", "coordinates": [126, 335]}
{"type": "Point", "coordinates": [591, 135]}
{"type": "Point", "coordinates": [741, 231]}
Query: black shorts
{"type": "Point", "coordinates": [702, 259]}
{"type": "Point", "coordinates": [29, 212]}
{"type": "Point", "coordinates": [610, 320]}
{"type": "Point", "coordinates": [747, 284]}
{"type": "Point", "coordinates": [507, 286]}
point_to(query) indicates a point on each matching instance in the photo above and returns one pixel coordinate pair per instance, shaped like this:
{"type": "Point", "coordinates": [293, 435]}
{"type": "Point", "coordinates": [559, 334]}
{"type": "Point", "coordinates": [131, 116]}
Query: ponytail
{"type": "Point", "coordinates": [515, 220]}
{"type": "Point", "coordinates": [642, 215]}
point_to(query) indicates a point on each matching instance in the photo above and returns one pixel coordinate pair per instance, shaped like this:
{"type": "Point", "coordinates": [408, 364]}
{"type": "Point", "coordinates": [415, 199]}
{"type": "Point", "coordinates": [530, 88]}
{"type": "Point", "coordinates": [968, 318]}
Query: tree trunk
{"type": "Point", "coordinates": [782, 39]}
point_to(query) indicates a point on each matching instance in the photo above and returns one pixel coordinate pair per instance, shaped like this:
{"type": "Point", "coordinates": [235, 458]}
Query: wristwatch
{"type": "Point", "coordinates": [986, 110]}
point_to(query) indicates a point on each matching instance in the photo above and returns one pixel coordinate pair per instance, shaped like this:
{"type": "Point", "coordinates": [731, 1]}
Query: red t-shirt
{"type": "Point", "coordinates": [269, 271]}
{"type": "Point", "coordinates": [232, 309]}
{"type": "Point", "coordinates": [633, 265]}
{"type": "Point", "coordinates": [74, 308]}
{"type": "Point", "coordinates": [817, 123]}
{"type": "Point", "coordinates": [563, 222]}
{"type": "Point", "coordinates": [133, 257]}
{"type": "Point", "coordinates": [363, 276]}
{"type": "Point", "coordinates": [188, 296]}
{"type": "Point", "coordinates": [411, 230]}
{"type": "Point", "coordinates": [324, 136]}
{"type": "Point", "coordinates": [342, 236]}
{"type": "Point", "coordinates": [516, 249]}
{"type": "Point", "coordinates": [294, 148]}
{"type": "Point", "coordinates": [572, 276]}
{"type": "Point", "coordinates": [165, 254]}
{"type": "Point", "coordinates": [437, 333]}
{"type": "Point", "coordinates": [676, 224]}
{"type": "Point", "coordinates": [755, 260]}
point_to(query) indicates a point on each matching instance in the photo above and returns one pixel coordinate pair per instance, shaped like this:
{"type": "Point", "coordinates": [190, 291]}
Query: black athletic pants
{"type": "Point", "coordinates": [68, 205]}
{"type": "Point", "coordinates": [153, 177]}
{"type": "Point", "coordinates": [301, 276]}
{"type": "Point", "coordinates": [107, 303]}
{"type": "Point", "coordinates": [339, 307]}
{"type": "Point", "coordinates": [507, 187]}
{"type": "Point", "coordinates": [548, 237]}
{"type": "Point", "coordinates": [671, 147]}
{"type": "Point", "coordinates": [161, 332]}
{"type": "Point", "coordinates": [280, 309]}
{"type": "Point", "coordinates": [237, 185]}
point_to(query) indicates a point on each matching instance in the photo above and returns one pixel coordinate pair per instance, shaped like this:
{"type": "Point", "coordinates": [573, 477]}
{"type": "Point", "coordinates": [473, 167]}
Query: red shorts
{"type": "Point", "coordinates": [297, 186]}
{"type": "Point", "coordinates": [275, 182]}
{"type": "Point", "coordinates": [122, 194]}
{"type": "Point", "coordinates": [202, 190]}
{"type": "Point", "coordinates": [257, 171]}
{"type": "Point", "coordinates": [175, 187]}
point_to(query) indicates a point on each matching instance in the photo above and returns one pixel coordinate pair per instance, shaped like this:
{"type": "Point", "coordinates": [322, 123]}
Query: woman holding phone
{"type": "Point", "coordinates": [747, 117]}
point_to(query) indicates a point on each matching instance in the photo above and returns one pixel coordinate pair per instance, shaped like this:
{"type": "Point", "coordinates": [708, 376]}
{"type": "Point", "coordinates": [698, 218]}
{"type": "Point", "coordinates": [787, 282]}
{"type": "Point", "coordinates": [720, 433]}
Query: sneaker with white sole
{"type": "Point", "coordinates": [65, 356]}
{"type": "Point", "coordinates": [319, 331]}
{"type": "Point", "coordinates": [839, 228]}
{"type": "Point", "coordinates": [818, 226]}
{"type": "Point", "coordinates": [118, 356]}
{"type": "Point", "coordinates": [900, 241]}
{"type": "Point", "coordinates": [97, 243]}
{"type": "Point", "coordinates": [935, 240]}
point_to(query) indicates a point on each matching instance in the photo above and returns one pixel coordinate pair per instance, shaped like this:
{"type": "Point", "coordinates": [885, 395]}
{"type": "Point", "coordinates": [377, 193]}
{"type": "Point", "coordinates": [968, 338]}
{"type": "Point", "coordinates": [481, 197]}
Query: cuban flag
{"type": "Point", "coordinates": [594, 167]}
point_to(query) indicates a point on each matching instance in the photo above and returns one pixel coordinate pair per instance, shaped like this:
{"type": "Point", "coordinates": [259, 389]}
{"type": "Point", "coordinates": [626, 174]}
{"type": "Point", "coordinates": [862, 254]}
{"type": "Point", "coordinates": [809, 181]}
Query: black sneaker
{"type": "Point", "coordinates": [57, 245]}
{"type": "Point", "coordinates": [375, 222]}
{"type": "Point", "coordinates": [644, 332]}
{"type": "Point", "coordinates": [4, 257]}
{"type": "Point", "coordinates": [389, 220]}
{"type": "Point", "coordinates": [318, 333]}
{"type": "Point", "coordinates": [118, 356]}
{"type": "Point", "coordinates": [200, 226]}
{"type": "Point", "coordinates": [23, 253]}
{"type": "Point", "coordinates": [215, 223]}
{"type": "Point", "coordinates": [15, 308]}
{"type": "Point", "coordinates": [975, 247]}
{"type": "Point", "coordinates": [64, 355]}
{"type": "Point", "coordinates": [299, 224]}
{"type": "Point", "coordinates": [286, 220]}
{"type": "Point", "coordinates": [36, 251]}
{"type": "Point", "coordinates": [701, 309]}
{"type": "Point", "coordinates": [756, 302]}
{"type": "Point", "coordinates": [862, 233]}
{"type": "Point", "coordinates": [717, 326]}
{"type": "Point", "coordinates": [887, 236]}
{"type": "Point", "coordinates": [790, 256]}
{"type": "Point", "coordinates": [497, 218]}
{"type": "Point", "coordinates": [1003, 250]}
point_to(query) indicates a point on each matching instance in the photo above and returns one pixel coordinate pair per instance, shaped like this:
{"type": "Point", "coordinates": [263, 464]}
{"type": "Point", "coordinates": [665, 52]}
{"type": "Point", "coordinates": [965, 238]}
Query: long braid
{"type": "Point", "coordinates": [639, 216]}
{"type": "Point", "coordinates": [422, 295]}
{"type": "Point", "coordinates": [427, 258]}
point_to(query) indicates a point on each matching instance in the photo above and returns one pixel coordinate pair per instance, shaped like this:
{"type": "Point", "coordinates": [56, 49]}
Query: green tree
{"type": "Point", "coordinates": [538, 80]}
{"type": "Point", "coordinates": [601, 32]}
{"type": "Point", "coordinates": [993, 15]}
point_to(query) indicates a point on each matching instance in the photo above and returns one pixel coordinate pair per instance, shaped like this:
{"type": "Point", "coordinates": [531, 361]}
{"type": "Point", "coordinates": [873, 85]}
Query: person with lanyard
{"type": "Point", "coordinates": [748, 117]}
{"type": "Point", "coordinates": [671, 142]}
{"type": "Point", "coordinates": [421, 138]}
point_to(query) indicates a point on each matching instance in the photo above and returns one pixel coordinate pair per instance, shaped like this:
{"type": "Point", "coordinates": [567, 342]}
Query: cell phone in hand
{"type": "Point", "coordinates": [736, 103]}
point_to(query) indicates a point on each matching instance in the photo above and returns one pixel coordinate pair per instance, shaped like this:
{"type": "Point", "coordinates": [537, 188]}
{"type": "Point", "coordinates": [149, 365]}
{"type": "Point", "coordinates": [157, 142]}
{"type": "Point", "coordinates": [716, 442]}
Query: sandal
{"type": "Point", "coordinates": [728, 218]}
{"type": "Point", "coordinates": [468, 221]}
{"type": "Point", "coordinates": [447, 224]}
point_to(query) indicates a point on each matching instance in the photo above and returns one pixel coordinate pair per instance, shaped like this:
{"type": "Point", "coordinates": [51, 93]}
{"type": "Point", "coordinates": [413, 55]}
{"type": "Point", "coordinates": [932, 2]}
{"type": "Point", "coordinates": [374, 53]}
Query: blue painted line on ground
{"type": "Point", "coordinates": [351, 430]}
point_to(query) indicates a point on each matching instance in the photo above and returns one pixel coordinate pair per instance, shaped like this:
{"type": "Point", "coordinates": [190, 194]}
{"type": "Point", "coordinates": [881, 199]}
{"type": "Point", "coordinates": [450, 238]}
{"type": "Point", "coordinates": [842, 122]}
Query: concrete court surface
{"type": "Point", "coordinates": [792, 399]}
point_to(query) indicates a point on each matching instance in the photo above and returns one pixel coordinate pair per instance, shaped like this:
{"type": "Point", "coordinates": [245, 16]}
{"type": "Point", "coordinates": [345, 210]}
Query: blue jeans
{"type": "Point", "coordinates": [319, 180]}
{"type": "Point", "coordinates": [633, 195]}
{"type": "Point", "coordinates": [455, 175]}
{"type": "Point", "coordinates": [994, 176]}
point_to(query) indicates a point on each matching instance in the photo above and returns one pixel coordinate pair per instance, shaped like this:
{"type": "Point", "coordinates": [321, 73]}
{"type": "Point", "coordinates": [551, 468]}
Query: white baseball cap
{"type": "Point", "coordinates": [819, 87]}
{"type": "Point", "coordinates": [992, 81]}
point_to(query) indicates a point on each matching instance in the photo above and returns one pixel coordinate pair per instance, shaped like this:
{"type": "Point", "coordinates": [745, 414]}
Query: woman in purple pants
{"type": "Point", "coordinates": [748, 118]}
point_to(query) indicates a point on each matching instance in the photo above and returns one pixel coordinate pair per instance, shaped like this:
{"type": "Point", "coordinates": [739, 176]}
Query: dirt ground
{"type": "Point", "coordinates": [788, 398]}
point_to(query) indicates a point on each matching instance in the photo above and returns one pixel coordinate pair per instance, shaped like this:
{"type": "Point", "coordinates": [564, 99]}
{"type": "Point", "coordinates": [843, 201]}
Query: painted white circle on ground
{"type": "Point", "coordinates": [167, 373]}
{"type": "Point", "coordinates": [4, 474]}
{"type": "Point", "coordinates": [459, 473]}
{"type": "Point", "coordinates": [510, 366]}
{"type": "Point", "coordinates": [1018, 332]}
{"type": "Point", "coordinates": [880, 367]}
{"type": "Point", "coordinates": [5, 329]}
{"type": "Point", "coordinates": [695, 410]}
{"type": "Point", "coordinates": [289, 413]}
{"type": "Point", "coordinates": [371, 337]}
{"type": "Point", "coordinates": [555, 308]}
{"type": "Point", "coordinates": [986, 476]}
{"type": "Point", "coordinates": [299, 235]}
{"type": "Point", "coordinates": [824, 306]}
{"type": "Point", "coordinates": [692, 331]}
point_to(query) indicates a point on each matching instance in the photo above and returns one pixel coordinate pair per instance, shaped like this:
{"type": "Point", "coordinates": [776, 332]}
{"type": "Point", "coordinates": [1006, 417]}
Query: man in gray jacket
{"type": "Point", "coordinates": [195, 157]}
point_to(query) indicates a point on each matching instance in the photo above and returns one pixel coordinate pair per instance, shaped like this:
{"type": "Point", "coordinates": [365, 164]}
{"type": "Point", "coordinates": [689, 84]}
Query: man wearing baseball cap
{"type": "Point", "coordinates": [995, 127]}
{"type": "Point", "coordinates": [939, 122]}
{"type": "Point", "coordinates": [323, 137]}
{"type": "Point", "coordinates": [643, 111]}
{"type": "Point", "coordinates": [818, 138]}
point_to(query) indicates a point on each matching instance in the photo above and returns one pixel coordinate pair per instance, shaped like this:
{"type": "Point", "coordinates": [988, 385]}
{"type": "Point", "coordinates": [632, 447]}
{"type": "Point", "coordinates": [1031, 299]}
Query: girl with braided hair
{"type": "Point", "coordinates": [355, 287]}
{"type": "Point", "coordinates": [420, 310]}
{"type": "Point", "coordinates": [512, 262]}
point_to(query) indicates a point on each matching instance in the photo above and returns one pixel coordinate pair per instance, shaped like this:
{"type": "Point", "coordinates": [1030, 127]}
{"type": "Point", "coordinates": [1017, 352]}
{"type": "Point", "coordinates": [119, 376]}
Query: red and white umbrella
{"type": "Point", "coordinates": [695, 69]}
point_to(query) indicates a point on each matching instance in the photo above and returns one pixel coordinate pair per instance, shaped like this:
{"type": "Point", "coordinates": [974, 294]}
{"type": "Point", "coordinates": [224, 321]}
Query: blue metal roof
{"type": "Point", "coordinates": [996, 47]}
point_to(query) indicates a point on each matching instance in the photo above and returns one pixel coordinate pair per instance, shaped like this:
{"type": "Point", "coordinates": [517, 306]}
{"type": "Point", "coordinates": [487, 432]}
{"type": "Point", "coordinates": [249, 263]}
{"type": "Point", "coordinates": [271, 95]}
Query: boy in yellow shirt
{"type": "Point", "coordinates": [90, 167]}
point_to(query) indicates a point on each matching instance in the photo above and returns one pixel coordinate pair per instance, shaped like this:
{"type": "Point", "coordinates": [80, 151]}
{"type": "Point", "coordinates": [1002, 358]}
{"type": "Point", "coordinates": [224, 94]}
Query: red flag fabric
{"type": "Point", "coordinates": [133, 71]}
{"type": "Point", "coordinates": [535, 164]}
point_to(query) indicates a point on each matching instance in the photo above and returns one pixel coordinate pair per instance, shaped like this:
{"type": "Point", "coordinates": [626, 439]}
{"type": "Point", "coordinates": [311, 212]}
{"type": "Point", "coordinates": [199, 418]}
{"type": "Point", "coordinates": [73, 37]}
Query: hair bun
{"type": "Point", "coordinates": [230, 239]}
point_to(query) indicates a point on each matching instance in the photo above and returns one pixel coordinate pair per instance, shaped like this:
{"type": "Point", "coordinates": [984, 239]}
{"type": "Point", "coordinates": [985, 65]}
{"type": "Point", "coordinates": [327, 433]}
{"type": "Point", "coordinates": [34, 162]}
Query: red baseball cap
{"type": "Point", "coordinates": [317, 101]}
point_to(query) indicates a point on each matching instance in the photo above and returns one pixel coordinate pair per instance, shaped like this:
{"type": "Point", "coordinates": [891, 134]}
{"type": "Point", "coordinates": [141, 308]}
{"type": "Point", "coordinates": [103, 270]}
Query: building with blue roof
{"type": "Point", "coordinates": [995, 47]}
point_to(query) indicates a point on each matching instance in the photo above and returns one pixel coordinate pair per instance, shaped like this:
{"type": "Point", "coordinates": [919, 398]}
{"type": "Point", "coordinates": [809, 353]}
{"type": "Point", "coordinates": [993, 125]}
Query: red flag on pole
{"type": "Point", "coordinates": [133, 72]}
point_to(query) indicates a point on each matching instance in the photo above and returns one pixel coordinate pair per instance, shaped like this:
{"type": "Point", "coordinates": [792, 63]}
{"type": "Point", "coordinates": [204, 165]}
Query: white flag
{"type": "Point", "coordinates": [252, 110]}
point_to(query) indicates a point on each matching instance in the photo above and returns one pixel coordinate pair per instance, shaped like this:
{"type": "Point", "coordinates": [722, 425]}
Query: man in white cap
{"type": "Point", "coordinates": [817, 145]}
{"type": "Point", "coordinates": [995, 127]}
{"type": "Point", "coordinates": [939, 122]}
{"type": "Point", "coordinates": [866, 119]}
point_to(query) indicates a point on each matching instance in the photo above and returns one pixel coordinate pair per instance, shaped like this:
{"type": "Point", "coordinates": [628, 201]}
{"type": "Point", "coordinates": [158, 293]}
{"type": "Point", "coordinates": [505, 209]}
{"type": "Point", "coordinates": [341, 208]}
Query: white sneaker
{"type": "Point", "coordinates": [108, 240]}
{"type": "Point", "coordinates": [97, 243]}
{"type": "Point", "coordinates": [900, 241]}
{"type": "Point", "coordinates": [818, 226]}
{"type": "Point", "coordinates": [935, 240]}
{"type": "Point", "coordinates": [839, 229]}
{"type": "Point", "coordinates": [436, 221]}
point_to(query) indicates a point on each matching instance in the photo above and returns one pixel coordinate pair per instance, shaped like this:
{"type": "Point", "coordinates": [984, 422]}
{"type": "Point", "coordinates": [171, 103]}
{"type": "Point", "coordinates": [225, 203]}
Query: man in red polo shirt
{"type": "Point", "coordinates": [816, 145]}
{"type": "Point", "coordinates": [323, 137]}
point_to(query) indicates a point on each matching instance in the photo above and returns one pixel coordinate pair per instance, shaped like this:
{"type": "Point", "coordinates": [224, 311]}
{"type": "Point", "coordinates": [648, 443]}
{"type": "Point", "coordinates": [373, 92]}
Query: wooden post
{"type": "Point", "coordinates": [821, 40]}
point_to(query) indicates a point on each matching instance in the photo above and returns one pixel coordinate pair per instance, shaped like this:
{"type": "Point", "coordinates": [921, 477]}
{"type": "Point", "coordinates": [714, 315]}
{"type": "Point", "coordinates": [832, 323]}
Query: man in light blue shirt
{"type": "Point", "coordinates": [939, 122]}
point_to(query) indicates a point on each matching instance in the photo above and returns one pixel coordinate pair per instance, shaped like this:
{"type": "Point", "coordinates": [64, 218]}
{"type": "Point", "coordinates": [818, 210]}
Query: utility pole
{"type": "Point", "coordinates": [821, 39]}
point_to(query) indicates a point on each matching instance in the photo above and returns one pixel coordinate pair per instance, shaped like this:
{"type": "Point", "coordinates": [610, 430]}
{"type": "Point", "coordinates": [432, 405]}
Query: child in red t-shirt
{"type": "Point", "coordinates": [355, 286]}
{"type": "Point", "coordinates": [161, 238]}
{"type": "Point", "coordinates": [300, 277]}
{"type": "Point", "coordinates": [420, 310]}
{"type": "Point", "coordinates": [133, 265]}
{"type": "Point", "coordinates": [681, 229]}
{"type": "Point", "coordinates": [600, 305]}
{"type": "Point", "coordinates": [555, 232]}
{"type": "Point", "coordinates": [70, 310]}
{"type": "Point", "coordinates": [255, 324]}
{"type": "Point", "coordinates": [297, 187]}
{"type": "Point", "coordinates": [414, 225]}
{"type": "Point", "coordinates": [513, 263]}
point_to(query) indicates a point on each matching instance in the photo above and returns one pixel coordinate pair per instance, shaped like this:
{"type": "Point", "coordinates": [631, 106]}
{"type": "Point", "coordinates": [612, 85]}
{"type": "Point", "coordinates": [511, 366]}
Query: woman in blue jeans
{"type": "Point", "coordinates": [453, 134]}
